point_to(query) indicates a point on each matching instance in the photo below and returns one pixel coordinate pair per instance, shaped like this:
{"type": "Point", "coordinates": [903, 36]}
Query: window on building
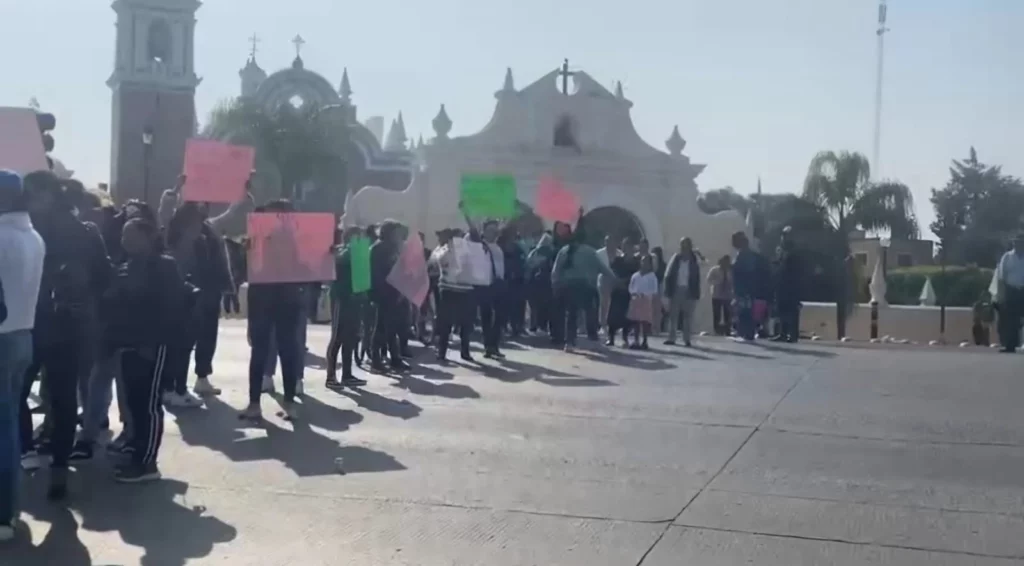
{"type": "Point", "coordinates": [159, 41]}
{"type": "Point", "coordinates": [862, 259]}
{"type": "Point", "coordinates": [905, 260]}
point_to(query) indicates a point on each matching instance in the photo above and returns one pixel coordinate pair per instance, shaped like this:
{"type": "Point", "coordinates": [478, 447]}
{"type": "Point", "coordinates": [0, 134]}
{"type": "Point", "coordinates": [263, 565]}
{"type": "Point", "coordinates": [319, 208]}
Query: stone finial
{"type": "Point", "coordinates": [297, 64]}
{"type": "Point", "coordinates": [928, 297]}
{"type": "Point", "coordinates": [509, 85]}
{"type": "Point", "coordinates": [618, 90]}
{"type": "Point", "coordinates": [396, 135]}
{"type": "Point", "coordinates": [442, 123]}
{"type": "Point", "coordinates": [877, 287]}
{"type": "Point", "coordinates": [345, 90]}
{"type": "Point", "coordinates": [675, 143]}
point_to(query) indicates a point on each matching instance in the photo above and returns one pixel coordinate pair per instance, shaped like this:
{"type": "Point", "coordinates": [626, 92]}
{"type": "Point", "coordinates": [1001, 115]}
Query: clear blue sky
{"type": "Point", "coordinates": [756, 86]}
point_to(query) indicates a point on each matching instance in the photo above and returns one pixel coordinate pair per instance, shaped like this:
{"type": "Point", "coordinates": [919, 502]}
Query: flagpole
{"type": "Point", "coordinates": [875, 156]}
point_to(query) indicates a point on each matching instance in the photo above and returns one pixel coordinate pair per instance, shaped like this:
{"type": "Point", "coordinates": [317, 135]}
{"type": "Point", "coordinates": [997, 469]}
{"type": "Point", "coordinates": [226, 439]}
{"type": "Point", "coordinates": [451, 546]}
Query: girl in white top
{"type": "Point", "coordinates": [643, 290]}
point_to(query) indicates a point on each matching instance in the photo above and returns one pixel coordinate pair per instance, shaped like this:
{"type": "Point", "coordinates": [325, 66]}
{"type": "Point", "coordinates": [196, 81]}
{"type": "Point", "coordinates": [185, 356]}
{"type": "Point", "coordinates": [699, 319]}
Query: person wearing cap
{"type": "Point", "coordinates": [1010, 292]}
{"type": "Point", "coordinates": [21, 270]}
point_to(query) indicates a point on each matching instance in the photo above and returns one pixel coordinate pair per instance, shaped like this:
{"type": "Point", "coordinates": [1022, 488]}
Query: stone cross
{"type": "Point", "coordinates": [565, 73]}
{"type": "Point", "coordinates": [298, 42]}
{"type": "Point", "coordinates": [254, 40]}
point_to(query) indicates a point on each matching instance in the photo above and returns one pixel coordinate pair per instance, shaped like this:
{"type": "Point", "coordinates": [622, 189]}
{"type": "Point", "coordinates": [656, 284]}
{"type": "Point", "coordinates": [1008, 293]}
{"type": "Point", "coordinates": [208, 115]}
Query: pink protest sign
{"type": "Point", "coordinates": [216, 171]}
{"type": "Point", "coordinates": [409, 275]}
{"type": "Point", "coordinates": [21, 143]}
{"type": "Point", "coordinates": [290, 247]}
{"type": "Point", "coordinates": [556, 202]}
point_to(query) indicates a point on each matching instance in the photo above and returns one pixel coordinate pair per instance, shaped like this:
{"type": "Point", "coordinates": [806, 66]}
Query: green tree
{"type": "Point", "coordinates": [293, 145]}
{"type": "Point", "coordinates": [977, 212]}
{"type": "Point", "coordinates": [725, 198]}
{"type": "Point", "coordinates": [839, 183]}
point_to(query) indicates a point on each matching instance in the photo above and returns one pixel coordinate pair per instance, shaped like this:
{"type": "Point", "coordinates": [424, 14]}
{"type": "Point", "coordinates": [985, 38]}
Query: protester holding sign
{"type": "Point", "coordinates": [457, 306]}
{"type": "Point", "coordinates": [383, 256]}
{"type": "Point", "coordinates": [348, 298]}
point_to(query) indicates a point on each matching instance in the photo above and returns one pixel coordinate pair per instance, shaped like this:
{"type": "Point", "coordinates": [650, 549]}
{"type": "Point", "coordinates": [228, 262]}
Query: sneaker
{"type": "Point", "coordinates": [168, 397]}
{"type": "Point", "coordinates": [400, 365]}
{"type": "Point", "coordinates": [467, 358]}
{"type": "Point", "coordinates": [7, 532]}
{"type": "Point", "coordinates": [204, 387]}
{"type": "Point", "coordinates": [32, 461]}
{"type": "Point", "coordinates": [352, 381]}
{"type": "Point", "coordinates": [251, 413]}
{"type": "Point", "coordinates": [81, 451]}
{"type": "Point", "coordinates": [186, 401]}
{"type": "Point", "coordinates": [58, 490]}
{"type": "Point", "coordinates": [137, 473]}
{"type": "Point", "coordinates": [670, 342]}
{"type": "Point", "coordinates": [268, 384]}
{"type": "Point", "coordinates": [299, 389]}
{"type": "Point", "coordinates": [333, 383]}
{"type": "Point", "coordinates": [289, 411]}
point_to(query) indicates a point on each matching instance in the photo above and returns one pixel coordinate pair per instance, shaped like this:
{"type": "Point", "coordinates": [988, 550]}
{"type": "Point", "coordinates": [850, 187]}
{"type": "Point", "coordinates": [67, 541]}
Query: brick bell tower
{"type": "Point", "coordinates": [154, 85]}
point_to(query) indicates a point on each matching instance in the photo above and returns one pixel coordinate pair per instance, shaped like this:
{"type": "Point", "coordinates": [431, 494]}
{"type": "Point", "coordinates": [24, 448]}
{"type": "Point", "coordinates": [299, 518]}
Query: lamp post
{"type": "Point", "coordinates": [147, 151]}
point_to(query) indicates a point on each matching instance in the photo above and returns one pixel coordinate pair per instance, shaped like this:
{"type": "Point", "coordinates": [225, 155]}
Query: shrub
{"type": "Point", "coordinates": [962, 285]}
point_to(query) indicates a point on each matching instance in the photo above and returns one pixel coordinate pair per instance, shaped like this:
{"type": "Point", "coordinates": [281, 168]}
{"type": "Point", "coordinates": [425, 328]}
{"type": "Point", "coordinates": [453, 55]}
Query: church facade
{"type": "Point", "coordinates": [585, 137]}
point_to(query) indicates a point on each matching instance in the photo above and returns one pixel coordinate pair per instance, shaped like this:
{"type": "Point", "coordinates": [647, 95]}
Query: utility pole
{"type": "Point", "coordinates": [876, 166]}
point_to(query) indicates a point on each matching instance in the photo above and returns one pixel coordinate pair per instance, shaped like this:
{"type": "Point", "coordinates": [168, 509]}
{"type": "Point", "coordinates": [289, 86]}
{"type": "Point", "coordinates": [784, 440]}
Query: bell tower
{"type": "Point", "coordinates": [153, 87]}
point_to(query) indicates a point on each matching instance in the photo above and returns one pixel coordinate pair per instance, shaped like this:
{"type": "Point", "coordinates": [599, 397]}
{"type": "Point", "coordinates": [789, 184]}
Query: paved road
{"type": "Point", "coordinates": [723, 455]}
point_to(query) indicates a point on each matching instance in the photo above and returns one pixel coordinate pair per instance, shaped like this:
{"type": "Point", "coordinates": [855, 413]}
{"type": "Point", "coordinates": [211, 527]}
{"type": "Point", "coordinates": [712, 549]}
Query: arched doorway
{"type": "Point", "coordinates": [613, 221]}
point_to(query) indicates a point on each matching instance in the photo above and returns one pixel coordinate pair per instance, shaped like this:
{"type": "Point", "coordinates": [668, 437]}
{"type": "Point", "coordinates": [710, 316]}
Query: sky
{"type": "Point", "coordinates": [757, 87]}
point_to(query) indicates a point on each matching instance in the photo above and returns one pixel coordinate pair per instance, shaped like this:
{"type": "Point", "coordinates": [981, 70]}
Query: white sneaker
{"type": "Point", "coordinates": [185, 401]}
{"type": "Point", "coordinates": [268, 384]}
{"type": "Point", "coordinates": [251, 413]}
{"type": "Point", "coordinates": [204, 387]}
{"type": "Point", "coordinates": [7, 532]}
{"type": "Point", "coordinates": [299, 389]}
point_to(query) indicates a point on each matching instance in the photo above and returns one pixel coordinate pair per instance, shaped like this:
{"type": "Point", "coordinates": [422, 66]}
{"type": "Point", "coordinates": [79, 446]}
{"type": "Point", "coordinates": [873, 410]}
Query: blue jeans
{"type": "Point", "coordinates": [270, 367]}
{"type": "Point", "coordinates": [101, 380]}
{"type": "Point", "coordinates": [15, 358]}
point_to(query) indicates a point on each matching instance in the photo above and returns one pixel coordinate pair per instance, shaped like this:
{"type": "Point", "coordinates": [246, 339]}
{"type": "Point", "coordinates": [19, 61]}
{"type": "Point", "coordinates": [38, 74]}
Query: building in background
{"type": "Point", "coordinates": [901, 253]}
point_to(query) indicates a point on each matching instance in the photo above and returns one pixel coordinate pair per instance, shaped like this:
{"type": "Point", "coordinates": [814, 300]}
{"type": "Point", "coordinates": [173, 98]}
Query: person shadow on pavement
{"type": "Point", "coordinates": [145, 516]}
{"type": "Point", "coordinates": [300, 448]}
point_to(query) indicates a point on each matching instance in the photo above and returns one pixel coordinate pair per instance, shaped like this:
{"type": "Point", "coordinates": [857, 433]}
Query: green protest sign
{"type": "Point", "coordinates": [489, 196]}
{"type": "Point", "coordinates": [359, 254]}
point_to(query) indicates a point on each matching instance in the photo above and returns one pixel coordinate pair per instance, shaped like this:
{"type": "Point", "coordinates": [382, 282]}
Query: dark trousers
{"type": "Point", "coordinates": [60, 363]}
{"type": "Point", "coordinates": [346, 319]}
{"type": "Point", "coordinates": [490, 299]}
{"type": "Point", "coordinates": [207, 325]}
{"type": "Point", "coordinates": [721, 314]}
{"type": "Point", "coordinates": [179, 353]}
{"type": "Point", "coordinates": [1011, 310]}
{"type": "Point", "coordinates": [391, 314]}
{"type": "Point", "coordinates": [516, 306]}
{"type": "Point", "coordinates": [282, 320]}
{"type": "Point", "coordinates": [457, 308]}
{"type": "Point", "coordinates": [789, 320]}
{"type": "Point", "coordinates": [540, 305]}
{"type": "Point", "coordinates": [591, 307]}
{"type": "Point", "coordinates": [618, 308]}
{"type": "Point", "coordinates": [570, 300]}
{"type": "Point", "coordinates": [141, 372]}
{"type": "Point", "coordinates": [231, 304]}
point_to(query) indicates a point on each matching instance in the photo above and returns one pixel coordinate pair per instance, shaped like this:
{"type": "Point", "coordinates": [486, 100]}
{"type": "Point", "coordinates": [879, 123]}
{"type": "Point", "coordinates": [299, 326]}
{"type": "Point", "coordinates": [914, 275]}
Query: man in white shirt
{"type": "Point", "coordinates": [1010, 274]}
{"type": "Point", "coordinates": [609, 252]}
{"type": "Point", "coordinates": [21, 271]}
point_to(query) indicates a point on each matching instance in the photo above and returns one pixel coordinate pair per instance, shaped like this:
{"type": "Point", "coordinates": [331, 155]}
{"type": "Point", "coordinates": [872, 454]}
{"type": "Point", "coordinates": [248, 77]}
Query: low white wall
{"type": "Point", "coordinates": [915, 323]}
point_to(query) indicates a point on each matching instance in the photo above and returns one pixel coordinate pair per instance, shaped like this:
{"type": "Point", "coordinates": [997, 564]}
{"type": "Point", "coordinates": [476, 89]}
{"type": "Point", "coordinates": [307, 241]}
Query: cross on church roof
{"type": "Point", "coordinates": [565, 73]}
{"type": "Point", "coordinates": [254, 40]}
{"type": "Point", "coordinates": [298, 42]}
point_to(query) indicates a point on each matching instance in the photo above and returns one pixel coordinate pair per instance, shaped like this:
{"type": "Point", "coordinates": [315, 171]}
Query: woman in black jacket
{"type": "Point", "coordinates": [142, 311]}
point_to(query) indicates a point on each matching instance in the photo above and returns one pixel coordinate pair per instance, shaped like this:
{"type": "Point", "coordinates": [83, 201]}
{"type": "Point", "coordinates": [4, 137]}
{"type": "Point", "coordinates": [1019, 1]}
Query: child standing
{"type": "Point", "coordinates": [144, 309]}
{"type": "Point", "coordinates": [643, 291]}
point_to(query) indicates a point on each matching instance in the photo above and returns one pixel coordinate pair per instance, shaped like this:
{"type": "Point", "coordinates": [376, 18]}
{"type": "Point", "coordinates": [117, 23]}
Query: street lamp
{"type": "Point", "coordinates": [147, 150]}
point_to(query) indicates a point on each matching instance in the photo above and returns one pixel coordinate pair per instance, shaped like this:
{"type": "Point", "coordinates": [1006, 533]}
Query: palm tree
{"type": "Point", "coordinates": [293, 145]}
{"type": "Point", "coordinates": [840, 184]}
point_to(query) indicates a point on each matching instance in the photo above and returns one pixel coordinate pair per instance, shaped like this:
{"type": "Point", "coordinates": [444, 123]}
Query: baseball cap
{"type": "Point", "coordinates": [12, 190]}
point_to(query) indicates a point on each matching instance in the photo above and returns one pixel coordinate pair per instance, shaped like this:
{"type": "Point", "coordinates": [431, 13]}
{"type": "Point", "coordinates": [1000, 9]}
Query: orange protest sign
{"type": "Point", "coordinates": [409, 274]}
{"type": "Point", "coordinates": [556, 202]}
{"type": "Point", "coordinates": [21, 143]}
{"type": "Point", "coordinates": [216, 171]}
{"type": "Point", "coordinates": [290, 247]}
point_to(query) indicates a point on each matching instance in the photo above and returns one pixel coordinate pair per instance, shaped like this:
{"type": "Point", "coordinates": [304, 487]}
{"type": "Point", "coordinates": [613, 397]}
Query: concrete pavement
{"type": "Point", "coordinates": [725, 454]}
